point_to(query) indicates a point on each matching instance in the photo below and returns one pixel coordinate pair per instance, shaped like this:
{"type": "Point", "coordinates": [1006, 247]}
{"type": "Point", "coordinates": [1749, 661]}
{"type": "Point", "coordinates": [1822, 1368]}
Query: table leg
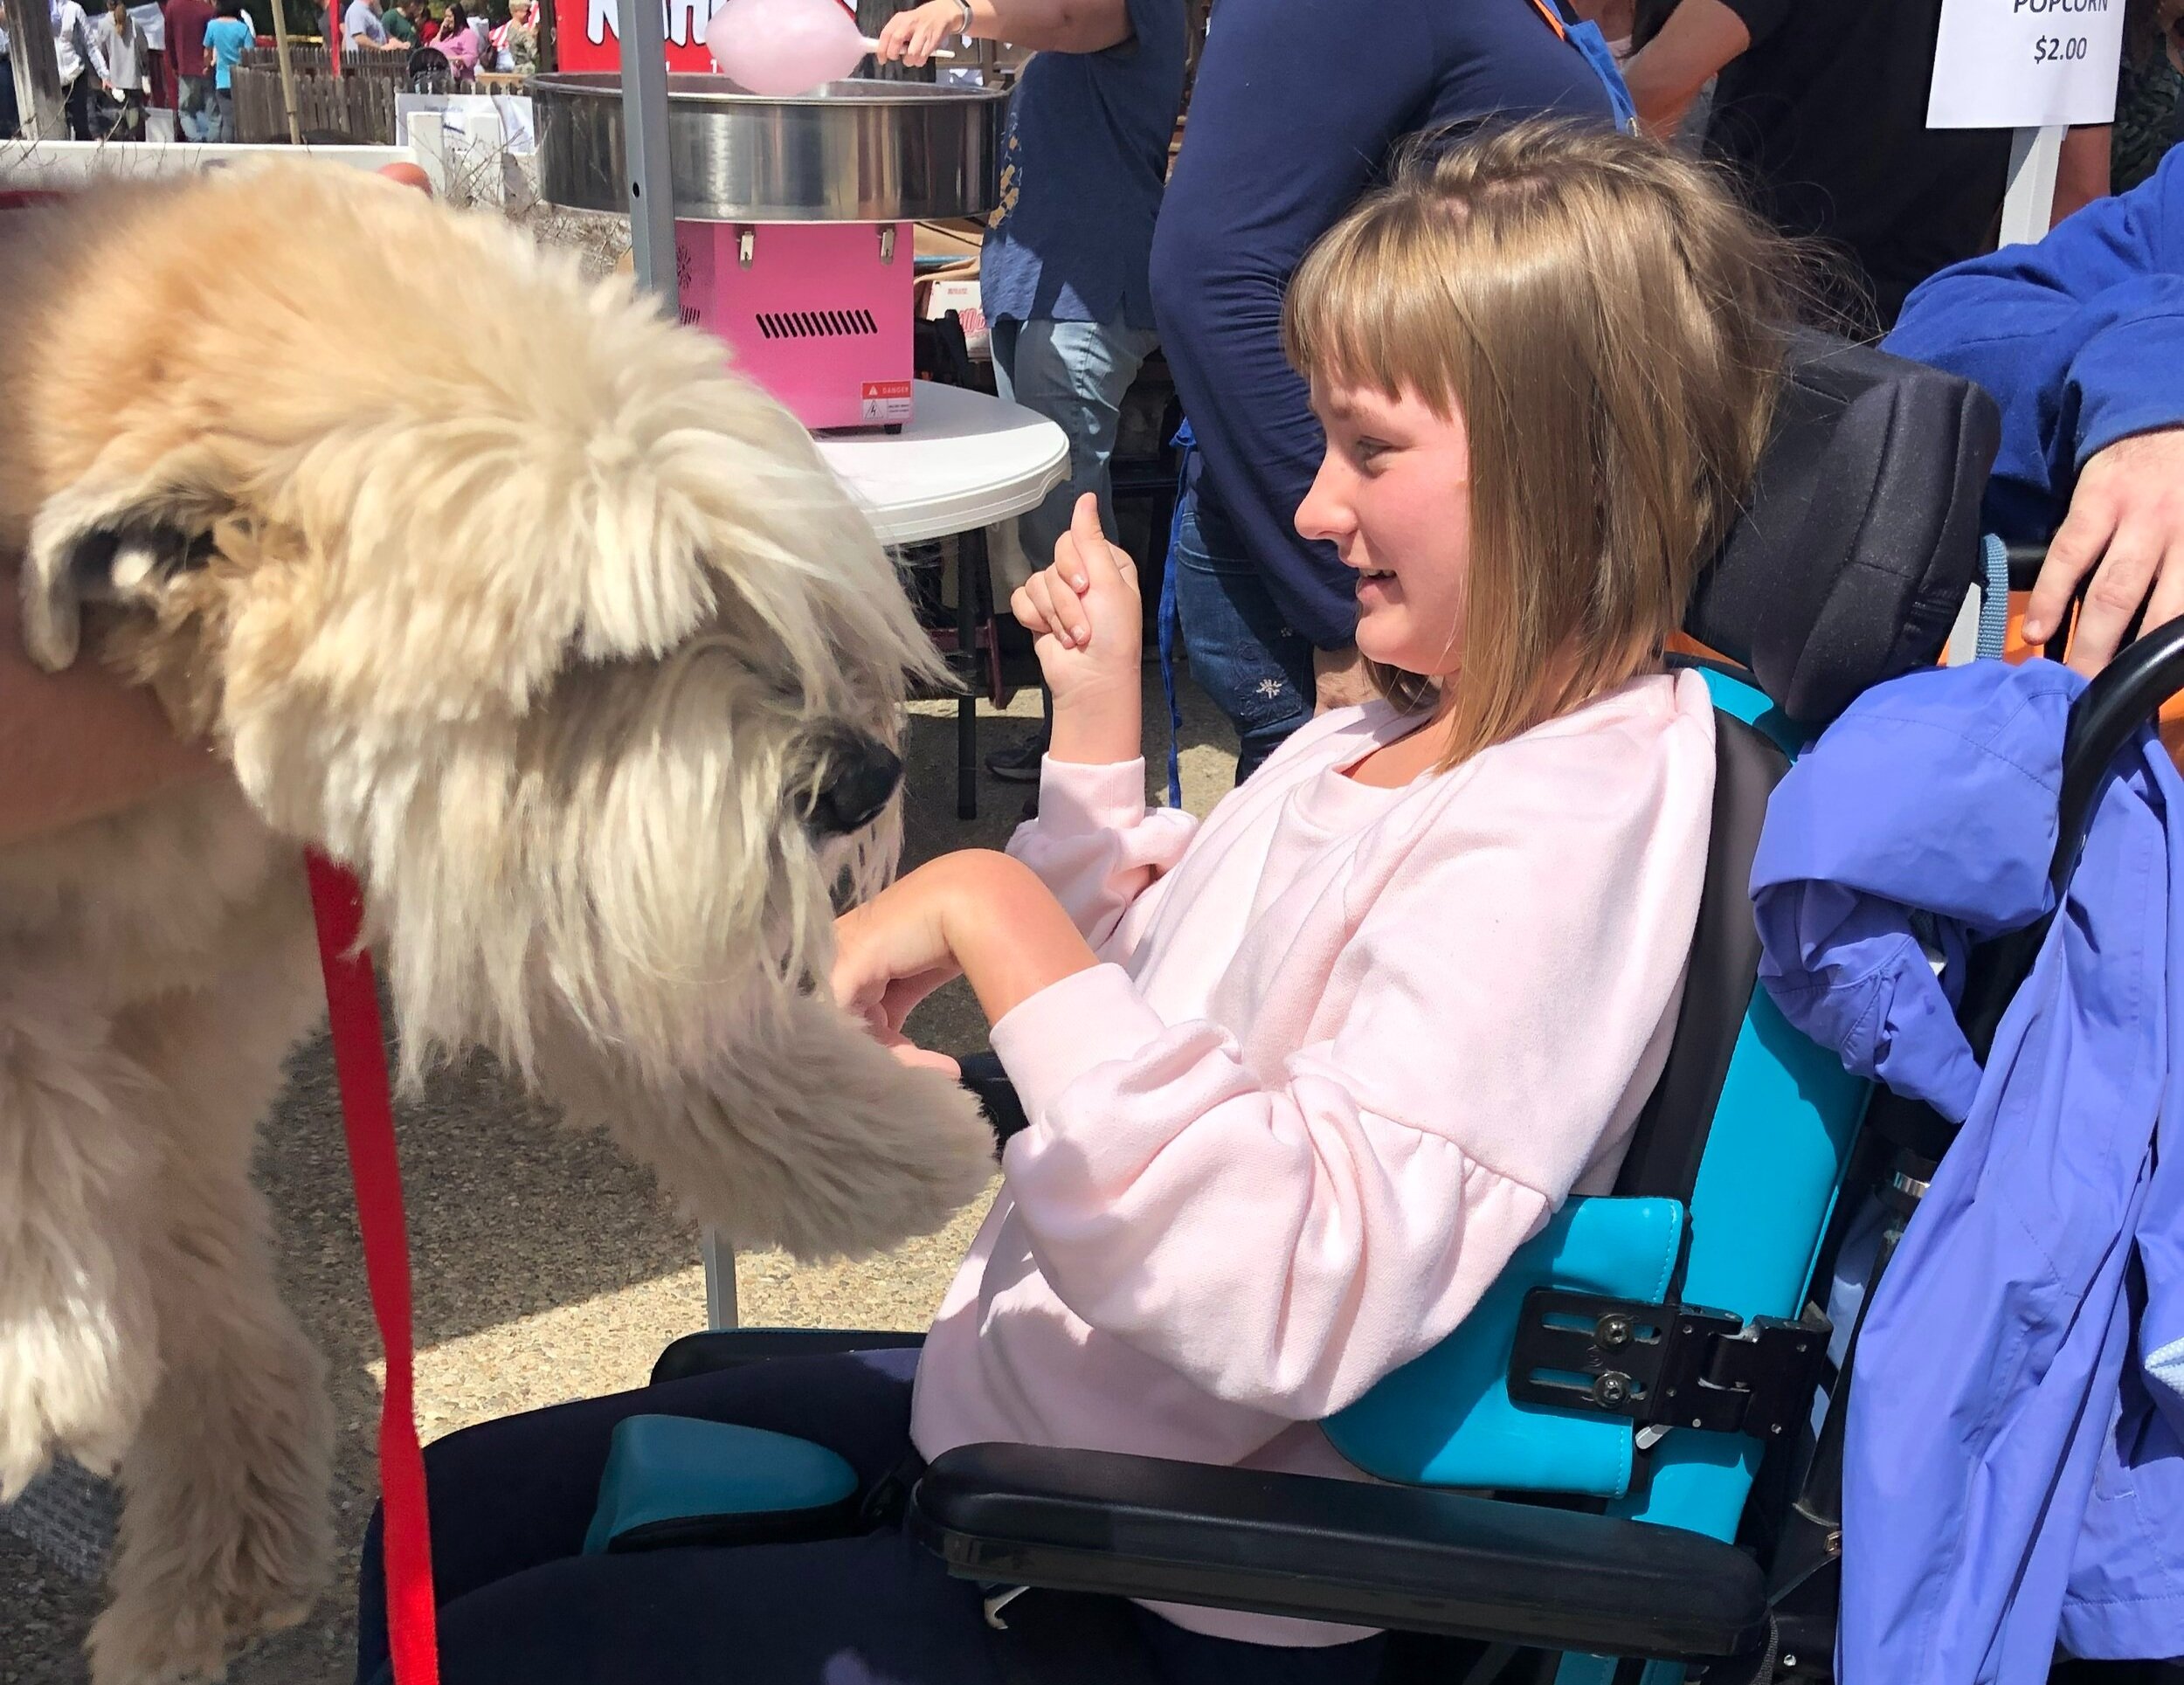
{"type": "Point", "coordinates": [970, 560]}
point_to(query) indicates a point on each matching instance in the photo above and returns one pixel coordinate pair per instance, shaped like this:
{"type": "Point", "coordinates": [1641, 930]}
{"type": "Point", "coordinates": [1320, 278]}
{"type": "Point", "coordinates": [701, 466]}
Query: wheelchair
{"type": "Point", "coordinates": [1626, 1464]}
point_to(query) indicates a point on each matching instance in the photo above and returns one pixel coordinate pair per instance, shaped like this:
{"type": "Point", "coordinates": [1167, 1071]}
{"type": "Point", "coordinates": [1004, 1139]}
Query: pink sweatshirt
{"type": "Point", "coordinates": [1347, 1049]}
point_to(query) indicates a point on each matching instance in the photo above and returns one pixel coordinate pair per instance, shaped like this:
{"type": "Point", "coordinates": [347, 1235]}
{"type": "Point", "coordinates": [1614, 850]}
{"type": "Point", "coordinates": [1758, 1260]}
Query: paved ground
{"type": "Point", "coordinates": [548, 1266]}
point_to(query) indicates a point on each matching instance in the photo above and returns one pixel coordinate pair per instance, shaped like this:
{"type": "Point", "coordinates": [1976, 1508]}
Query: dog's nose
{"type": "Point", "coordinates": [861, 775]}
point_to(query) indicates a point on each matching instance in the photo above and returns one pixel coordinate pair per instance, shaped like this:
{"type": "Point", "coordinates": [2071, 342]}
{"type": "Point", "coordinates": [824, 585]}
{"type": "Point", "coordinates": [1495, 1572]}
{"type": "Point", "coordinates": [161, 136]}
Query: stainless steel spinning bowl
{"type": "Point", "coordinates": [850, 151]}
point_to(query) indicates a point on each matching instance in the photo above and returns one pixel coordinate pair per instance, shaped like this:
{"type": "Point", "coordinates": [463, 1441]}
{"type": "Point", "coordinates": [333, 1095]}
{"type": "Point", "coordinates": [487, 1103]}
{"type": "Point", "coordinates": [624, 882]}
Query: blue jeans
{"type": "Point", "coordinates": [1075, 374]}
{"type": "Point", "coordinates": [196, 116]}
{"type": "Point", "coordinates": [1243, 654]}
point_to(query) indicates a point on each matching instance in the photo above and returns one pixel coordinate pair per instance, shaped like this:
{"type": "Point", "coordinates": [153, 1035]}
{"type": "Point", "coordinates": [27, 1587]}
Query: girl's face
{"type": "Point", "coordinates": [1393, 496]}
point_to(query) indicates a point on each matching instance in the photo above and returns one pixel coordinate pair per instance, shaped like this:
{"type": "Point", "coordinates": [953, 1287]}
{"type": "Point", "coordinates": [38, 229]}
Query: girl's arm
{"type": "Point", "coordinates": [1093, 843]}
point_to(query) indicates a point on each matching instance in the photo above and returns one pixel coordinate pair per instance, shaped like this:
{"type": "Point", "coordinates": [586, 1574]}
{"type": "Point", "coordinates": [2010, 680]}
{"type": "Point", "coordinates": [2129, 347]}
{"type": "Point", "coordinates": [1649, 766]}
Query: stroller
{"type": "Point", "coordinates": [1607, 1473]}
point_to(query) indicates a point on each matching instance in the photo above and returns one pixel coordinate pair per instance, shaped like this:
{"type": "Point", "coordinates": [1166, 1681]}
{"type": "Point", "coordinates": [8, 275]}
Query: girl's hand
{"type": "Point", "coordinates": [893, 951]}
{"type": "Point", "coordinates": [912, 36]}
{"type": "Point", "coordinates": [975, 912]}
{"type": "Point", "coordinates": [1086, 618]}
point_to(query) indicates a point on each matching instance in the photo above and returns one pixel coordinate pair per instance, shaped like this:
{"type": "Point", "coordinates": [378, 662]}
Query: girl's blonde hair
{"type": "Point", "coordinates": [1609, 321]}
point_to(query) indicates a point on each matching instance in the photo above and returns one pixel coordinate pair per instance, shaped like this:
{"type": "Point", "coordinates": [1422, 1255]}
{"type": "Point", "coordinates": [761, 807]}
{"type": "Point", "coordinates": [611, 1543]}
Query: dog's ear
{"type": "Point", "coordinates": [94, 546]}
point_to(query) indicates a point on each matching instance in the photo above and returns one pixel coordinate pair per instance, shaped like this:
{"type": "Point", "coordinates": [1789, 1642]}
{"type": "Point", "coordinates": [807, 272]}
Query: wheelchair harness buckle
{"type": "Point", "coordinates": [1664, 1366]}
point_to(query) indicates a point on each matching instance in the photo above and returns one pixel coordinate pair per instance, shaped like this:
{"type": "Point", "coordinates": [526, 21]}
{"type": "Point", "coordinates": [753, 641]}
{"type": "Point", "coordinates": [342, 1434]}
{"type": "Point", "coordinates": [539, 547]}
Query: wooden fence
{"type": "Point", "coordinates": [356, 106]}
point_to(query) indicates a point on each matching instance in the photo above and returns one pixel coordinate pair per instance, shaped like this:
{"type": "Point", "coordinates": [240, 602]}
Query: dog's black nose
{"type": "Point", "coordinates": [861, 774]}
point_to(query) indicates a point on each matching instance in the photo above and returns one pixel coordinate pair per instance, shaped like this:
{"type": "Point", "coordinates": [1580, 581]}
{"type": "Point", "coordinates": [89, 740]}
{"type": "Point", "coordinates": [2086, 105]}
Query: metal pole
{"type": "Point", "coordinates": [652, 211]}
{"type": "Point", "coordinates": [37, 65]}
{"type": "Point", "coordinates": [719, 1280]}
{"type": "Point", "coordinates": [287, 71]}
{"type": "Point", "coordinates": [2029, 206]}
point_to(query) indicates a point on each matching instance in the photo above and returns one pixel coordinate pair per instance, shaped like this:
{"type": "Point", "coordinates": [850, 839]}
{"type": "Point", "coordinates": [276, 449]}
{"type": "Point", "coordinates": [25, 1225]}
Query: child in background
{"type": "Point", "coordinates": [227, 38]}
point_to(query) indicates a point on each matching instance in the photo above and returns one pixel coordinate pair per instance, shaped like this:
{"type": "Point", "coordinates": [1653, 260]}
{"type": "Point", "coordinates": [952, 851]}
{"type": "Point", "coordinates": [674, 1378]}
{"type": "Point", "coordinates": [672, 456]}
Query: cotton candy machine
{"type": "Point", "coordinates": [792, 217]}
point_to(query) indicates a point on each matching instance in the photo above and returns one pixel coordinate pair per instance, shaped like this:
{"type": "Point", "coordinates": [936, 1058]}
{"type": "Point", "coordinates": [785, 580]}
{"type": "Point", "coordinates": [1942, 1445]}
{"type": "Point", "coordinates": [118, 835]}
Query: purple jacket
{"type": "Point", "coordinates": [2014, 1472]}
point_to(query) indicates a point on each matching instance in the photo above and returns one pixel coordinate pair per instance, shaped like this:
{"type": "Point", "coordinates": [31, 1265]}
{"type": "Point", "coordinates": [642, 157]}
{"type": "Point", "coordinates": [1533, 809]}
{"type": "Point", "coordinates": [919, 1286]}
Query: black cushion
{"type": "Point", "coordinates": [1864, 531]}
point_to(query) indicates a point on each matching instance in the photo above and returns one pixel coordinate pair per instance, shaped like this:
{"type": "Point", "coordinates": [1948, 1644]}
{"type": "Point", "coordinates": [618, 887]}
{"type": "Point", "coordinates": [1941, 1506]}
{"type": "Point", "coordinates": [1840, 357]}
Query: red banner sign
{"type": "Point", "coordinates": [587, 33]}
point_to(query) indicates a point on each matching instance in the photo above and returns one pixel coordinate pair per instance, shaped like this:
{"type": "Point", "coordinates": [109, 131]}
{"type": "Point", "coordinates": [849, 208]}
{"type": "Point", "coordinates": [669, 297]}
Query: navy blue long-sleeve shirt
{"type": "Point", "coordinates": [1298, 106]}
{"type": "Point", "coordinates": [2080, 338]}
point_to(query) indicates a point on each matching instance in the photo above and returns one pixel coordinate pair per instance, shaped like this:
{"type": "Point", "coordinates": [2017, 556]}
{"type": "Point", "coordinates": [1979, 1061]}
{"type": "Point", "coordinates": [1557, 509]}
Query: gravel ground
{"type": "Point", "coordinates": [547, 1266]}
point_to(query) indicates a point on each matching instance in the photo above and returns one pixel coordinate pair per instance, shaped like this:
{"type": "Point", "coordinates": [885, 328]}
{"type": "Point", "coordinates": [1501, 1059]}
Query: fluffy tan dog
{"type": "Point", "coordinates": [559, 633]}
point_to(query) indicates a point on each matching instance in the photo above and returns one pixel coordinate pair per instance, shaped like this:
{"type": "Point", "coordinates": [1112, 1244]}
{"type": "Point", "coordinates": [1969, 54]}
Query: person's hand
{"type": "Point", "coordinates": [1086, 618]}
{"type": "Point", "coordinates": [1340, 680]}
{"type": "Point", "coordinates": [893, 951]}
{"type": "Point", "coordinates": [2126, 528]}
{"type": "Point", "coordinates": [977, 913]}
{"type": "Point", "coordinates": [911, 36]}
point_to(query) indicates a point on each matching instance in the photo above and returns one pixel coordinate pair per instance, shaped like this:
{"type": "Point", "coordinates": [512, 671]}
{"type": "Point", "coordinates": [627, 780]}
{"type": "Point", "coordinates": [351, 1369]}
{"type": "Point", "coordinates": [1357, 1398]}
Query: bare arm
{"type": "Point", "coordinates": [1666, 74]}
{"type": "Point", "coordinates": [2081, 171]}
{"type": "Point", "coordinates": [77, 745]}
{"type": "Point", "coordinates": [1041, 25]}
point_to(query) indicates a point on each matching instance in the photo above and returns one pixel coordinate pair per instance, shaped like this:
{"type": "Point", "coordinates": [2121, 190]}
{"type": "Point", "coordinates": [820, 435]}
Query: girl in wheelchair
{"type": "Point", "coordinates": [1303, 1076]}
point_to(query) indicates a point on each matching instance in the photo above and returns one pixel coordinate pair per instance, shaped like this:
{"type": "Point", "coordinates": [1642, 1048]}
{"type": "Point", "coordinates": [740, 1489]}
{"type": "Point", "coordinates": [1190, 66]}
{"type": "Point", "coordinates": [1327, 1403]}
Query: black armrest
{"type": "Point", "coordinates": [732, 1348]}
{"type": "Point", "coordinates": [983, 1075]}
{"type": "Point", "coordinates": [1337, 1551]}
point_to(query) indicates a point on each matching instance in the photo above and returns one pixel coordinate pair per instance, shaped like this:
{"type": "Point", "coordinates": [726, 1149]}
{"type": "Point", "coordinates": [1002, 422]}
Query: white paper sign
{"type": "Point", "coordinates": [2025, 64]}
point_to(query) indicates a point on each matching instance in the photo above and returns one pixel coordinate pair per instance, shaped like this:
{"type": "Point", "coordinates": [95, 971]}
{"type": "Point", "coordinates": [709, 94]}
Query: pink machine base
{"type": "Point", "coordinates": [819, 314]}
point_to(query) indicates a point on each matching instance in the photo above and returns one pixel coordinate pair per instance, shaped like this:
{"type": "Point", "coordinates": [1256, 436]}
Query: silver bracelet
{"type": "Point", "coordinates": [964, 7]}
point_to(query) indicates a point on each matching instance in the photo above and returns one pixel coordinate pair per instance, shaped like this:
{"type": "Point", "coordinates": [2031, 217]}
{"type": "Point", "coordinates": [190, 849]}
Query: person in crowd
{"type": "Point", "coordinates": [227, 38]}
{"type": "Point", "coordinates": [9, 121]}
{"type": "Point", "coordinates": [395, 19]}
{"type": "Point", "coordinates": [196, 110]}
{"type": "Point", "coordinates": [515, 42]}
{"type": "Point", "coordinates": [1617, 21]}
{"type": "Point", "coordinates": [83, 70]}
{"type": "Point", "coordinates": [150, 16]}
{"type": "Point", "coordinates": [1063, 276]}
{"type": "Point", "coordinates": [2149, 92]}
{"type": "Point", "coordinates": [1301, 1078]}
{"type": "Point", "coordinates": [363, 31]}
{"type": "Point", "coordinates": [457, 41]}
{"type": "Point", "coordinates": [121, 43]}
{"type": "Point", "coordinates": [2081, 340]}
{"type": "Point", "coordinates": [1896, 200]}
{"type": "Point", "coordinates": [1298, 105]}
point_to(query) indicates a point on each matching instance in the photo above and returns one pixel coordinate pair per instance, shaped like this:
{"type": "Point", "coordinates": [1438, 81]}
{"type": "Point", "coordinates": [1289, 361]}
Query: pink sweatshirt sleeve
{"type": "Point", "coordinates": [1287, 1239]}
{"type": "Point", "coordinates": [1096, 844]}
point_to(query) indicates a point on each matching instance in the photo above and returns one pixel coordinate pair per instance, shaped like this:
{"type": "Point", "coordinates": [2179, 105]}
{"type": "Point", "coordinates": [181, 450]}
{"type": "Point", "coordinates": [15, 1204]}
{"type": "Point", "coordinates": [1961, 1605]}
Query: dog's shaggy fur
{"type": "Point", "coordinates": [559, 633]}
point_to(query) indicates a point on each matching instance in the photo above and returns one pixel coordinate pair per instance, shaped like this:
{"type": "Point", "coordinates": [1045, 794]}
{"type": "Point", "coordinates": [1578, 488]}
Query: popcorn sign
{"type": "Point", "coordinates": [2025, 64]}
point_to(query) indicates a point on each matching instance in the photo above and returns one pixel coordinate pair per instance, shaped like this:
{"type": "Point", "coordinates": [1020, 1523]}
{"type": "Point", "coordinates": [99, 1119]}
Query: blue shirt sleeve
{"type": "Point", "coordinates": [2080, 338]}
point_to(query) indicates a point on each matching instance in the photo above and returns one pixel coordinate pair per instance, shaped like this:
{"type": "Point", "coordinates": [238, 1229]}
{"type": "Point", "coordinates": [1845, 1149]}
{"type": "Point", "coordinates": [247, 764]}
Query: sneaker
{"type": "Point", "coordinates": [1018, 764]}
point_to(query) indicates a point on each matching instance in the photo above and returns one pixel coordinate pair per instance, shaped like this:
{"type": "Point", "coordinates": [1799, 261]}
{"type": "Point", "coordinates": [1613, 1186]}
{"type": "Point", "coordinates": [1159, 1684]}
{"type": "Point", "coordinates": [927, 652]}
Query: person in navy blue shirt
{"type": "Point", "coordinates": [1298, 105]}
{"type": "Point", "coordinates": [1063, 273]}
{"type": "Point", "coordinates": [2081, 340]}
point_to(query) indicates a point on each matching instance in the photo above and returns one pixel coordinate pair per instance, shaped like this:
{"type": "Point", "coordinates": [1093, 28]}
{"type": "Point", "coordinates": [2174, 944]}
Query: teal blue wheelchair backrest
{"type": "Point", "coordinates": [1606, 1362]}
{"type": "Point", "coordinates": [1722, 1203]}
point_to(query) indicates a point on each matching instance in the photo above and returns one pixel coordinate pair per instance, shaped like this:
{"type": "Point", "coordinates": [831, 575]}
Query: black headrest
{"type": "Point", "coordinates": [1862, 535]}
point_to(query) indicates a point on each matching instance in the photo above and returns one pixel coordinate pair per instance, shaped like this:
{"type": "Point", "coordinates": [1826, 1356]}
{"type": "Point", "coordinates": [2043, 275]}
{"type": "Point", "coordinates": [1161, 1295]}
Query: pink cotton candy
{"type": "Point", "coordinates": [784, 47]}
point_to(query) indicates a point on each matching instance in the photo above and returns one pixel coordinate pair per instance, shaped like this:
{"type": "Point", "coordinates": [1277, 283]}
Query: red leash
{"type": "Point", "coordinates": [360, 1063]}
